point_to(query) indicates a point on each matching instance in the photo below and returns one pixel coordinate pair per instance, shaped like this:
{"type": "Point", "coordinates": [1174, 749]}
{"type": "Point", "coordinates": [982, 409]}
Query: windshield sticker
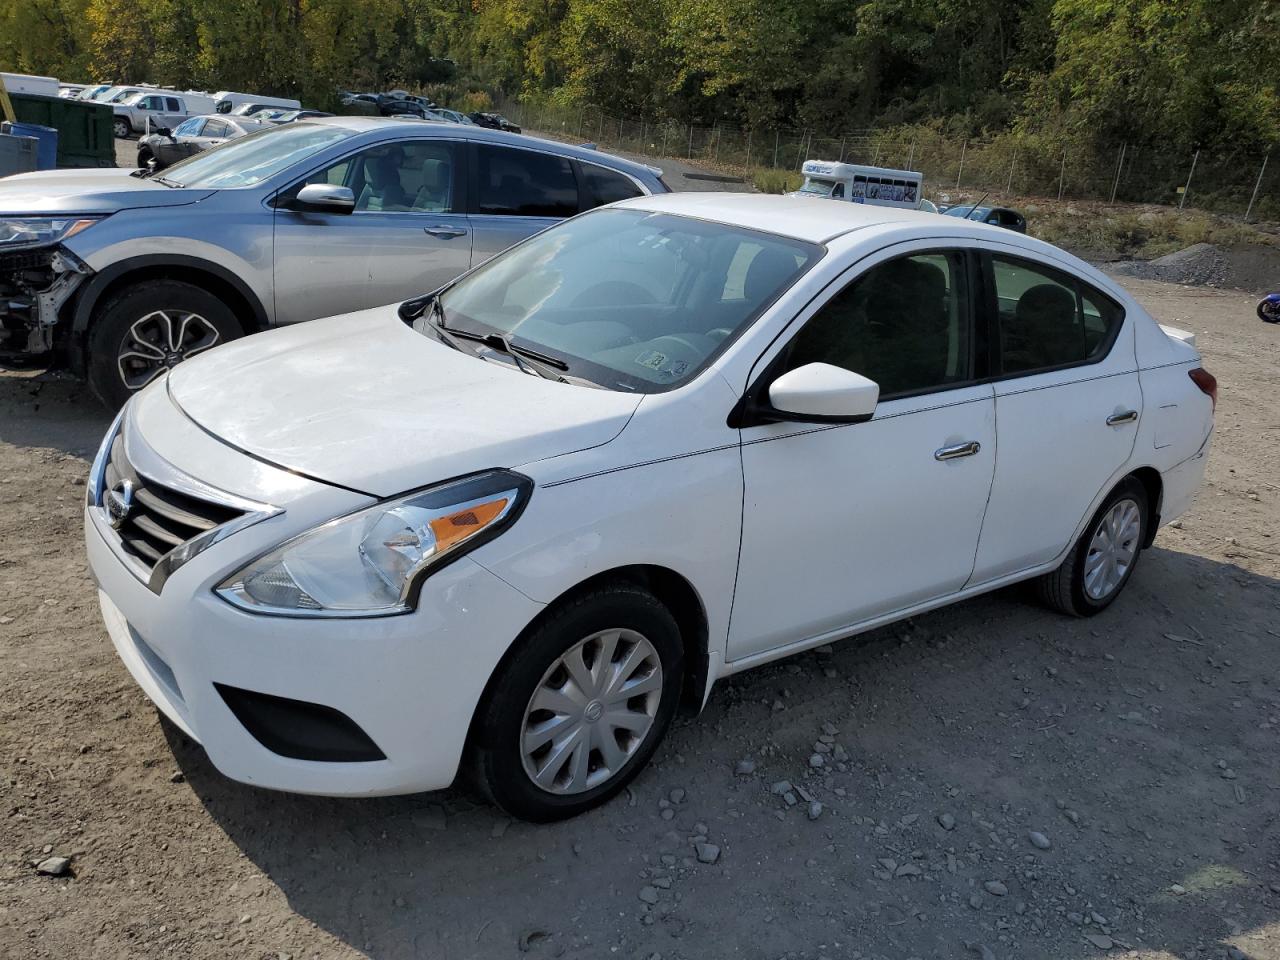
{"type": "Point", "coordinates": [652, 359]}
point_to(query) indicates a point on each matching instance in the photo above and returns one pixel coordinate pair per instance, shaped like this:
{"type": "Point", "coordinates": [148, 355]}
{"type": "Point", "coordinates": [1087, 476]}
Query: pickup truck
{"type": "Point", "coordinates": [160, 107]}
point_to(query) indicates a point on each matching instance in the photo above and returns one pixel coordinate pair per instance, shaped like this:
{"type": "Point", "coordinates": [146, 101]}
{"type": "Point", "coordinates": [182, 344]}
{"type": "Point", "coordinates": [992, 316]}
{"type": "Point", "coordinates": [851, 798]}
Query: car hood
{"type": "Point", "coordinates": [365, 402]}
{"type": "Point", "coordinates": [87, 191]}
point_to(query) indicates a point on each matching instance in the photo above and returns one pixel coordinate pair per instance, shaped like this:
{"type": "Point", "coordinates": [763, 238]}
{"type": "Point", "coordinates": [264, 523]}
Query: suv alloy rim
{"type": "Point", "coordinates": [1112, 549]}
{"type": "Point", "coordinates": [591, 711]}
{"type": "Point", "coordinates": [159, 341]}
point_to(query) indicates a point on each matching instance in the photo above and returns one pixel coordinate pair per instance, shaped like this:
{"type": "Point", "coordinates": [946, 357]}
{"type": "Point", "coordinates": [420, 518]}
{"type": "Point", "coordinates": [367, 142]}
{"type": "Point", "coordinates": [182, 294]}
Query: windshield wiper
{"type": "Point", "coordinates": [167, 182]}
{"type": "Point", "coordinates": [528, 361]}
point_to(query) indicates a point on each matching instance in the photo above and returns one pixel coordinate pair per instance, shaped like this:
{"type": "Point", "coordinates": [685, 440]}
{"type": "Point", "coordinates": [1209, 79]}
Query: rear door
{"type": "Point", "coordinates": [1067, 409]}
{"type": "Point", "coordinates": [517, 192]}
{"type": "Point", "coordinates": [405, 237]}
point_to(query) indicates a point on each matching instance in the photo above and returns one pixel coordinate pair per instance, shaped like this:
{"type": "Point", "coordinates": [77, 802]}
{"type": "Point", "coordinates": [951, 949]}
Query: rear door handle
{"type": "Point", "coordinates": [957, 451]}
{"type": "Point", "coordinates": [1129, 416]}
{"type": "Point", "coordinates": [445, 232]}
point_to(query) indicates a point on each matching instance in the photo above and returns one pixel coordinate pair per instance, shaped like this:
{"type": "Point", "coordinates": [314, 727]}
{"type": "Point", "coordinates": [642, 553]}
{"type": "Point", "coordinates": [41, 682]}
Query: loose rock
{"type": "Point", "coordinates": [649, 895]}
{"type": "Point", "coordinates": [946, 821]}
{"type": "Point", "coordinates": [995, 888]}
{"type": "Point", "coordinates": [1039, 840]}
{"type": "Point", "coordinates": [1100, 941]}
{"type": "Point", "coordinates": [815, 810]}
{"type": "Point", "coordinates": [707, 852]}
{"type": "Point", "coordinates": [745, 768]}
{"type": "Point", "coordinates": [54, 866]}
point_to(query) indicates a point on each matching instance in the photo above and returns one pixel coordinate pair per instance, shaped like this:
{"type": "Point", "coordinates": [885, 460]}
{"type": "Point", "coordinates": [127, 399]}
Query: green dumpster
{"type": "Point", "coordinates": [85, 138]}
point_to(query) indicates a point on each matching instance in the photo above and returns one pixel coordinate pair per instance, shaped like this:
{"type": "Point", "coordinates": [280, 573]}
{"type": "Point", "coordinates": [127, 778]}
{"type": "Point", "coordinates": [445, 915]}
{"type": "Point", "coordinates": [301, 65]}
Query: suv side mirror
{"type": "Point", "coordinates": [823, 393]}
{"type": "Point", "coordinates": [324, 198]}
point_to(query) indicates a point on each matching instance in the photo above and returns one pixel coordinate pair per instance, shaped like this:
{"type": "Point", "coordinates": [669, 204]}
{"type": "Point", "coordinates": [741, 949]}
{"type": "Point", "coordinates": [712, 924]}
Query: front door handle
{"type": "Point", "coordinates": [1129, 416]}
{"type": "Point", "coordinates": [445, 232]}
{"type": "Point", "coordinates": [957, 451]}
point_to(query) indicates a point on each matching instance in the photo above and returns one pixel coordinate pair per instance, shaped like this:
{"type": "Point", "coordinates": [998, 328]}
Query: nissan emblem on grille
{"type": "Point", "coordinates": [119, 502]}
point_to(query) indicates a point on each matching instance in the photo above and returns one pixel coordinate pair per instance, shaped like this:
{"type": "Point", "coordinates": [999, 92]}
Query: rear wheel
{"type": "Point", "coordinates": [148, 329]}
{"type": "Point", "coordinates": [580, 707]}
{"type": "Point", "coordinates": [120, 127]}
{"type": "Point", "coordinates": [1104, 558]}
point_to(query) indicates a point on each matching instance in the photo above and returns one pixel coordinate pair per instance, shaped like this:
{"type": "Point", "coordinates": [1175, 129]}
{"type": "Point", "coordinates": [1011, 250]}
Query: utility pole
{"type": "Point", "coordinates": [1257, 186]}
{"type": "Point", "coordinates": [1062, 174]}
{"type": "Point", "coordinates": [963, 146]}
{"type": "Point", "coordinates": [1190, 174]}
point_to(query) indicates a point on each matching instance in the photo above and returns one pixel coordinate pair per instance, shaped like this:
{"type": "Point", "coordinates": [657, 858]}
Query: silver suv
{"type": "Point", "coordinates": [119, 275]}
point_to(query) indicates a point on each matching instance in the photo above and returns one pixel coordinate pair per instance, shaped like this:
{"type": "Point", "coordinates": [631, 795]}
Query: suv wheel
{"type": "Point", "coordinates": [581, 706]}
{"type": "Point", "coordinates": [145, 330]}
{"type": "Point", "coordinates": [120, 127]}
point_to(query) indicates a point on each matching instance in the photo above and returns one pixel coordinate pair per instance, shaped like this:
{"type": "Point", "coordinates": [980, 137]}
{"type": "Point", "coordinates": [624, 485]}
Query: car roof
{"type": "Point", "coordinates": [801, 218]}
{"type": "Point", "coordinates": [394, 128]}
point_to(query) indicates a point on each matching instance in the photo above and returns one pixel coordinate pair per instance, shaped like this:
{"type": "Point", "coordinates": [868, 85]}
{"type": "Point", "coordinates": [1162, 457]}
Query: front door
{"type": "Point", "coordinates": [1067, 402]}
{"type": "Point", "coordinates": [842, 524]}
{"type": "Point", "coordinates": [403, 239]}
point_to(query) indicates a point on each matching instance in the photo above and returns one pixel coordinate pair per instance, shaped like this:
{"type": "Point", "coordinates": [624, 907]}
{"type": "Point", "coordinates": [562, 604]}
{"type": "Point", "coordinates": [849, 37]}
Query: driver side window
{"type": "Point", "coordinates": [904, 323]}
{"type": "Point", "coordinates": [414, 176]}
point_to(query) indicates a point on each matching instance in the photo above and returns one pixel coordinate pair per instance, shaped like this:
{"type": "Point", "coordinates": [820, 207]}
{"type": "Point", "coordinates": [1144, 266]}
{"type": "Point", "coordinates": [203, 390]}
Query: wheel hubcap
{"type": "Point", "coordinates": [591, 711]}
{"type": "Point", "coordinates": [160, 341]}
{"type": "Point", "coordinates": [1112, 549]}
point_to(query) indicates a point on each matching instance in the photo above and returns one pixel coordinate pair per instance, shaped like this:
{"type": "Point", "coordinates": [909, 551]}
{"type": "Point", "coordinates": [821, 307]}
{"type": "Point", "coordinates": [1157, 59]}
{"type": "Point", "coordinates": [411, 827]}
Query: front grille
{"type": "Point", "coordinates": [162, 518]}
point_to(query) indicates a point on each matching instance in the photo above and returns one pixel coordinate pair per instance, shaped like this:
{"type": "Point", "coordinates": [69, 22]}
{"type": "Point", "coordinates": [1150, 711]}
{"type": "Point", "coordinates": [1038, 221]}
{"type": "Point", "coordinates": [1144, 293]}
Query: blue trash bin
{"type": "Point", "coordinates": [46, 137]}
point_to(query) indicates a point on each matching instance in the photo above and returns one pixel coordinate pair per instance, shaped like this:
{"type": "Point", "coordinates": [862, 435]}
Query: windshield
{"type": "Point", "coordinates": [821, 188]}
{"type": "Point", "coordinates": [626, 299]}
{"type": "Point", "coordinates": [252, 159]}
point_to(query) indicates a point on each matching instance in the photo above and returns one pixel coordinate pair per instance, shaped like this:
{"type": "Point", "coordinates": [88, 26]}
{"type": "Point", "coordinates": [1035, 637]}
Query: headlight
{"type": "Point", "coordinates": [372, 563]}
{"type": "Point", "coordinates": [34, 231]}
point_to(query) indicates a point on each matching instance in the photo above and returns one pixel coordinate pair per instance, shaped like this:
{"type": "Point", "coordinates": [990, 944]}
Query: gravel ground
{"type": "Point", "coordinates": [990, 780]}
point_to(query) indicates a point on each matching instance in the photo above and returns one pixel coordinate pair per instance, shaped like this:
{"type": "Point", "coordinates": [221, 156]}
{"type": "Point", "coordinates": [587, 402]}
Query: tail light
{"type": "Point", "coordinates": [1207, 383]}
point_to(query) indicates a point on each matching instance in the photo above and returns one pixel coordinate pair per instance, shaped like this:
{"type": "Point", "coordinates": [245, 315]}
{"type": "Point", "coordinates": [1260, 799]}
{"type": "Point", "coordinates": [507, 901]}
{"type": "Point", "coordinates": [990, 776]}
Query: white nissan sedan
{"type": "Point", "coordinates": [517, 522]}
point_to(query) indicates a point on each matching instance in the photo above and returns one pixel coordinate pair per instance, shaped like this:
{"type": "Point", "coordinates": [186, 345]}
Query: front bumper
{"type": "Point", "coordinates": [409, 683]}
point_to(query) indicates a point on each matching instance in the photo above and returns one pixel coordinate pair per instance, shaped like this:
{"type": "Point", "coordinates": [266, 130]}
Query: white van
{"type": "Point", "coordinates": [228, 100]}
{"type": "Point", "coordinates": [26, 83]}
{"type": "Point", "coordinates": [858, 184]}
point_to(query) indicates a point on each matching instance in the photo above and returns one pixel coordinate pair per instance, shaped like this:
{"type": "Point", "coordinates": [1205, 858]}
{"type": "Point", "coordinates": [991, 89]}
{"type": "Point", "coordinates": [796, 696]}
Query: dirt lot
{"type": "Point", "coordinates": [1141, 744]}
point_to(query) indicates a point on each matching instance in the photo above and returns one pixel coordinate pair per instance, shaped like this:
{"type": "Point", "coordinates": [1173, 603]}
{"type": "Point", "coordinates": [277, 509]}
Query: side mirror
{"type": "Point", "coordinates": [324, 198]}
{"type": "Point", "coordinates": [163, 131]}
{"type": "Point", "coordinates": [822, 393]}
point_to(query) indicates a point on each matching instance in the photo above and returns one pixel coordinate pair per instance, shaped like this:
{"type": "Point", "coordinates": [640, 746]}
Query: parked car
{"type": "Point", "coordinates": [254, 109]}
{"type": "Point", "coordinates": [149, 109]}
{"type": "Point", "coordinates": [289, 116]}
{"type": "Point", "coordinates": [166, 147]}
{"type": "Point", "coordinates": [91, 93]}
{"type": "Point", "coordinates": [453, 116]}
{"type": "Point", "coordinates": [120, 274]}
{"type": "Point", "coordinates": [521, 520]}
{"type": "Point", "coordinates": [70, 91]}
{"type": "Point", "coordinates": [225, 101]}
{"type": "Point", "coordinates": [996, 216]}
{"type": "Point", "coordinates": [406, 108]}
{"type": "Point", "coordinates": [494, 121]}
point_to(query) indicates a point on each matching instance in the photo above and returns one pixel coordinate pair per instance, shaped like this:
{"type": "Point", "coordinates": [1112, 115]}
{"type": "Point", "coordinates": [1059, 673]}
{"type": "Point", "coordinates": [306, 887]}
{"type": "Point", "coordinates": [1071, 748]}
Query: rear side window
{"type": "Point", "coordinates": [607, 186]}
{"type": "Point", "coordinates": [524, 183]}
{"type": "Point", "coordinates": [217, 128]}
{"type": "Point", "coordinates": [173, 105]}
{"type": "Point", "coordinates": [1048, 319]}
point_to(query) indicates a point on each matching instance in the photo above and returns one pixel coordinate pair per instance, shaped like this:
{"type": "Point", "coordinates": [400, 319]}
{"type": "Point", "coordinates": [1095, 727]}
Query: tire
{"type": "Point", "coordinates": [144, 330]}
{"type": "Point", "coordinates": [144, 157]}
{"type": "Point", "coordinates": [508, 714]}
{"type": "Point", "coordinates": [121, 128]}
{"type": "Point", "coordinates": [1081, 586]}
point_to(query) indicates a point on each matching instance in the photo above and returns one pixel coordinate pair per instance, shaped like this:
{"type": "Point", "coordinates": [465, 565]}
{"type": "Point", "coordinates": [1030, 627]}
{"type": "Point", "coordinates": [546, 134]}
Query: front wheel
{"type": "Point", "coordinates": [146, 330]}
{"type": "Point", "coordinates": [579, 708]}
{"type": "Point", "coordinates": [1104, 558]}
{"type": "Point", "coordinates": [1269, 308]}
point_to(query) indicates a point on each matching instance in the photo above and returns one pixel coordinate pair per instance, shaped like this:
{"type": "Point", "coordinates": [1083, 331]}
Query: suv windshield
{"type": "Point", "coordinates": [626, 299]}
{"type": "Point", "coordinates": [252, 159]}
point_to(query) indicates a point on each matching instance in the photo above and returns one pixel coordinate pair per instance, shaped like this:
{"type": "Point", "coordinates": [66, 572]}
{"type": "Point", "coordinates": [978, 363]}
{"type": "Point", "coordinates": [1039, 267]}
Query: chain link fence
{"type": "Point", "coordinates": [1239, 184]}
